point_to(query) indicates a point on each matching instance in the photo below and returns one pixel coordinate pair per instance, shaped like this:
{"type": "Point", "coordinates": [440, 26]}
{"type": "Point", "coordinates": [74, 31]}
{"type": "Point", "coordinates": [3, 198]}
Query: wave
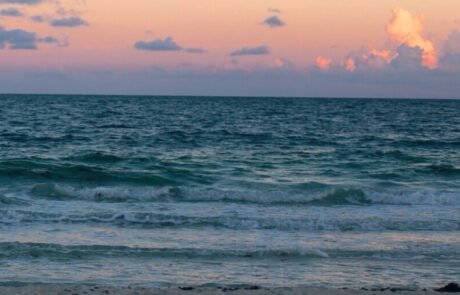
{"type": "Point", "coordinates": [444, 170]}
{"type": "Point", "coordinates": [398, 155]}
{"type": "Point", "coordinates": [115, 126]}
{"type": "Point", "coordinates": [17, 250]}
{"type": "Point", "coordinates": [428, 143]}
{"type": "Point", "coordinates": [4, 200]}
{"type": "Point", "coordinates": [36, 169]}
{"type": "Point", "coordinates": [419, 197]}
{"type": "Point", "coordinates": [87, 168]}
{"type": "Point", "coordinates": [95, 157]}
{"type": "Point", "coordinates": [185, 194]}
{"type": "Point", "coordinates": [101, 194]}
{"type": "Point", "coordinates": [57, 251]}
{"type": "Point", "coordinates": [18, 137]}
{"type": "Point", "coordinates": [153, 220]}
{"type": "Point", "coordinates": [323, 197]}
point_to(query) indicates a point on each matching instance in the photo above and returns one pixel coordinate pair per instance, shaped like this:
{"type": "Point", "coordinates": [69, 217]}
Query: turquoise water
{"type": "Point", "coordinates": [229, 191]}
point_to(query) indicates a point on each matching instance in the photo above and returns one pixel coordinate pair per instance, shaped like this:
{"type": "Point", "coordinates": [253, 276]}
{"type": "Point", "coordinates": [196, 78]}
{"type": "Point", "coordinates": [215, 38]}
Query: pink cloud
{"type": "Point", "coordinates": [406, 29]}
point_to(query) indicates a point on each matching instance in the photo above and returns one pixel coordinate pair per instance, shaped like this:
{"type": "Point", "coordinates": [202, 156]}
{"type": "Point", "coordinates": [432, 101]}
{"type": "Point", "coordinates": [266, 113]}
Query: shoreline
{"type": "Point", "coordinates": [49, 289]}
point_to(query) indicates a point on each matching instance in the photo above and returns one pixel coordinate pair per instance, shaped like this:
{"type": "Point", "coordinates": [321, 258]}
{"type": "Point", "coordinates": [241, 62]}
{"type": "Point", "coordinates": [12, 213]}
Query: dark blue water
{"type": "Point", "coordinates": [193, 190]}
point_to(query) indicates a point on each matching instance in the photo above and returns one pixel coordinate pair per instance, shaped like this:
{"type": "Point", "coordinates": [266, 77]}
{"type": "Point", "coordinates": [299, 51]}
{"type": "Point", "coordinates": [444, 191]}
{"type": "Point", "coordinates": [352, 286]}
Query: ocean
{"type": "Point", "coordinates": [221, 191]}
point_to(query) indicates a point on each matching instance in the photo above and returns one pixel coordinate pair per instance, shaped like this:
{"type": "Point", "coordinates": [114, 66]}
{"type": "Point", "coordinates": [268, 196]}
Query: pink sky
{"type": "Point", "coordinates": [233, 34]}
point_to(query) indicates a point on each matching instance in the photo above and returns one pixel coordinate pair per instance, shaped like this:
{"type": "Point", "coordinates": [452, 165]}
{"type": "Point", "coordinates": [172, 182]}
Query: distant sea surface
{"type": "Point", "coordinates": [212, 191]}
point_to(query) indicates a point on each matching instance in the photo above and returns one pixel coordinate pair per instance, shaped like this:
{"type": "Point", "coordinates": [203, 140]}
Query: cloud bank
{"type": "Point", "coordinates": [257, 81]}
{"type": "Point", "coordinates": [413, 51]}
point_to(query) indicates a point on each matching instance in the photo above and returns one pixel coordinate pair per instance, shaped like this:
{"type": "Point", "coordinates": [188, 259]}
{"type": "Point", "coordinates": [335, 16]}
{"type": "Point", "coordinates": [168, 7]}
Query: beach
{"type": "Point", "coordinates": [100, 290]}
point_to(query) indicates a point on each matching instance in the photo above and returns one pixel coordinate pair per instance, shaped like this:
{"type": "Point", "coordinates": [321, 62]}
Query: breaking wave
{"type": "Point", "coordinates": [328, 197]}
{"type": "Point", "coordinates": [15, 250]}
{"type": "Point", "coordinates": [154, 220]}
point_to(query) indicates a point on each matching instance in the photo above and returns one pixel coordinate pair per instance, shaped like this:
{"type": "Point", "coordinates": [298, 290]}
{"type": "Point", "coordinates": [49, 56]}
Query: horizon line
{"type": "Point", "coordinates": [230, 96]}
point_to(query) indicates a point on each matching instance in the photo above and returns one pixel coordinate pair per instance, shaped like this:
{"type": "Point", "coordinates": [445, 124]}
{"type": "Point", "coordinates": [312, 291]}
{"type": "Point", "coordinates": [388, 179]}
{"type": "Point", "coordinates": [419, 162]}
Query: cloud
{"type": "Point", "coordinates": [195, 50]}
{"type": "Point", "coordinates": [72, 21]}
{"type": "Point", "coordinates": [166, 44]}
{"type": "Point", "coordinates": [26, 2]}
{"type": "Point", "coordinates": [274, 10]}
{"type": "Point", "coordinates": [323, 63]}
{"type": "Point", "coordinates": [451, 58]}
{"type": "Point", "coordinates": [38, 18]}
{"type": "Point", "coordinates": [49, 39]}
{"type": "Point", "coordinates": [66, 11]}
{"type": "Point", "coordinates": [257, 50]}
{"type": "Point", "coordinates": [217, 80]}
{"type": "Point", "coordinates": [350, 65]}
{"type": "Point", "coordinates": [53, 40]}
{"type": "Point", "coordinates": [408, 58]}
{"type": "Point", "coordinates": [407, 29]}
{"type": "Point", "coordinates": [451, 63]}
{"type": "Point", "coordinates": [282, 63]}
{"type": "Point", "coordinates": [273, 21]}
{"type": "Point", "coordinates": [22, 39]}
{"type": "Point", "coordinates": [452, 44]}
{"type": "Point", "coordinates": [384, 53]}
{"type": "Point", "coordinates": [367, 59]}
{"type": "Point", "coordinates": [11, 11]}
{"type": "Point", "coordinates": [17, 39]}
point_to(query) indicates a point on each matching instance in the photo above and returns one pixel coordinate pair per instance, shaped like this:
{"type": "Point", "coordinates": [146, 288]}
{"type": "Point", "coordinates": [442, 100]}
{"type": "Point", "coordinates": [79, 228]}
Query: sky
{"type": "Point", "coordinates": [312, 48]}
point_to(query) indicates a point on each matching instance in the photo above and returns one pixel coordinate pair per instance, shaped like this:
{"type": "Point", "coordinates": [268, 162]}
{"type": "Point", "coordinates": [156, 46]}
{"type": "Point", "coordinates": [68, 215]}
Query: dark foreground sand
{"type": "Point", "coordinates": [93, 290]}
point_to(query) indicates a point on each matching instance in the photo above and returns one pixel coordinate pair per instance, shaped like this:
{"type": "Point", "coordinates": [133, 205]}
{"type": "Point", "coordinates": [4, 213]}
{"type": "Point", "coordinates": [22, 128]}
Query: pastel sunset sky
{"type": "Point", "coordinates": [351, 48]}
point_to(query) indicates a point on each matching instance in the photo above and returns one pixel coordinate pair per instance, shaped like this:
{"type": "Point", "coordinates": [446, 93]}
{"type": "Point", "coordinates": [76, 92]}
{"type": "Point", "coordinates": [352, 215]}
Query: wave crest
{"type": "Point", "coordinates": [326, 197]}
{"type": "Point", "coordinates": [38, 250]}
{"type": "Point", "coordinates": [155, 220]}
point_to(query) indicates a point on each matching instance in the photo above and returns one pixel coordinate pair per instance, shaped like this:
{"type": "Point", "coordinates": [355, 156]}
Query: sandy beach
{"type": "Point", "coordinates": [101, 290]}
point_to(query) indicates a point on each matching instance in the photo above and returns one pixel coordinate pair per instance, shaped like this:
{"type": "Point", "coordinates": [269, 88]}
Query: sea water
{"type": "Point", "coordinates": [168, 191]}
